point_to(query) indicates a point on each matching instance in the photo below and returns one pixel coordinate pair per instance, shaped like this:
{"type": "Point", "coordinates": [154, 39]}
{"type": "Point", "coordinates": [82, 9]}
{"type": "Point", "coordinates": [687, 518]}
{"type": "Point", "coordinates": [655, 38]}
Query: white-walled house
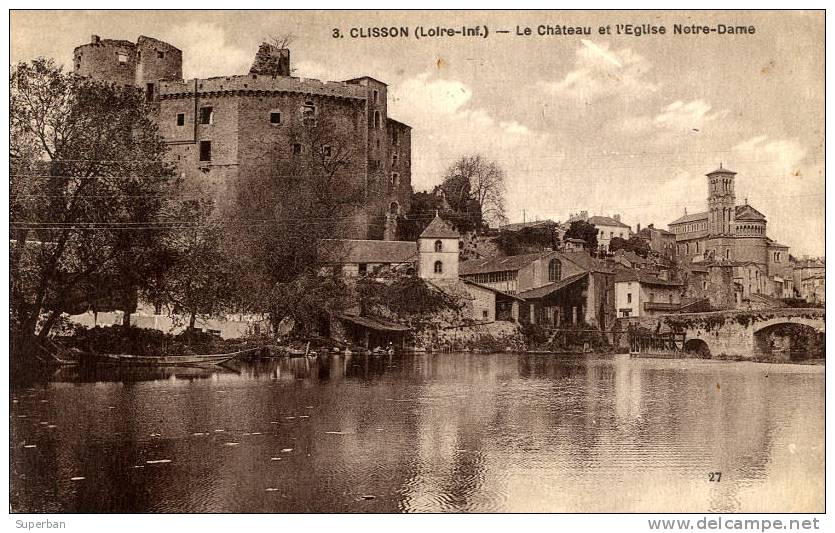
{"type": "Point", "coordinates": [641, 294]}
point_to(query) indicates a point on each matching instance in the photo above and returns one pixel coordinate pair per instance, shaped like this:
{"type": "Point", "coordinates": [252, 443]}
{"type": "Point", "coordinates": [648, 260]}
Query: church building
{"type": "Point", "coordinates": [732, 234]}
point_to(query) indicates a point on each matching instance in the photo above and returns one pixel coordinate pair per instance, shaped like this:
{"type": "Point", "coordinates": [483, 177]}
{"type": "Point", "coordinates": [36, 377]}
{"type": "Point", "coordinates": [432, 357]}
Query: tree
{"type": "Point", "coordinates": [278, 216]}
{"type": "Point", "coordinates": [198, 280]}
{"type": "Point", "coordinates": [527, 240]}
{"type": "Point", "coordinates": [634, 244]}
{"type": "Point", "coordinates": [475, 190]}
{"type": "Point", "coordinates": [422, 209]}
{"type": "Point", "coordinates": [580, 229]}
{"type": "Point", "coordinates": [87, 183]}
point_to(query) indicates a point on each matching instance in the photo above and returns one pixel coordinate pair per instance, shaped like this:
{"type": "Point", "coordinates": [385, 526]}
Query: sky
{"type": "Point", "coordinates": [603, 123]}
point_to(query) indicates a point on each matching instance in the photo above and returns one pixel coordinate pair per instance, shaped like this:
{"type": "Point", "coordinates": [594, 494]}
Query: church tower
{"type": "Point", "coordinates": [721, 202]}
{"type": "Point", "coordinates": [438, 251]}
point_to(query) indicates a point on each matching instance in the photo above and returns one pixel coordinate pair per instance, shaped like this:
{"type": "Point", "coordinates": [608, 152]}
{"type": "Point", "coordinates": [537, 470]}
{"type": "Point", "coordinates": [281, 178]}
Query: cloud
{"type": "Point", "coordinates": [206, 52]}
{"type": "Point", "coordinates": [446, 126]}
{"type": "Point", "coordinates": [686, 116]}
{"type": "Point", "coordinates": [600, 72]}
{"type": "Point", "coordinates": [778, 175]}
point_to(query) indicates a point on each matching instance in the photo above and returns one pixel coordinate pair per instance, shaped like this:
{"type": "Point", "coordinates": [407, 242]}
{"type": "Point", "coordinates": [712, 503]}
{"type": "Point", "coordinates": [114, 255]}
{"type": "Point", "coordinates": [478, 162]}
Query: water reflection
{"type": "Point", "coordinates": [430, 432]}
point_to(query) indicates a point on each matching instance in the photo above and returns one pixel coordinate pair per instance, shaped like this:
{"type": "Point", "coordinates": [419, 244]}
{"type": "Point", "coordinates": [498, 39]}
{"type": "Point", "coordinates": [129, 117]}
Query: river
{"type": "Point", "coordinates": [423, 433]}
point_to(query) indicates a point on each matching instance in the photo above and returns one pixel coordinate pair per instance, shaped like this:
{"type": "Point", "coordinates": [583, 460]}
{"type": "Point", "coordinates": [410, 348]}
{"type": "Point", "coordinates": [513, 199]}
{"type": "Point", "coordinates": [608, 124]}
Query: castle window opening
{"type": "Point", "coordinates": [362, 269]}
{"type": "Point", "coordinates": [395, 179]}
{"type": "Point", "coordinates": [121, 57]}
{"type": "Point", "coordinates": [394, 160]}
{"type": "Point", "coordinates": [326, 150]}
{"type": "Point", "coordinates": [297, 148]}
{"type": "Point", "coordinates": [376, 120]}
{"type": "Point", "coordinates": [308, 112]}
{"type": "Point", "coordinates": [275, 117]}
{"type": "Point", "coordinates": [205, 150]}
{"type": "Point", "coordinates": [206, 115]}
{"type": "Point", "coordinates": [160, 55]}
{"type": "Point", "coordinates": [181, 119]}
{"type": "Point", "coordinates": [394, 208]}
{"type": "Point", "coordinates": [439, 267]}
{"type": "Point", "coordinates": [149, 92]}
{"type": "Point", "coordinates": [439, 246]}
{"type": "Point", "coordinates": [374, 94]}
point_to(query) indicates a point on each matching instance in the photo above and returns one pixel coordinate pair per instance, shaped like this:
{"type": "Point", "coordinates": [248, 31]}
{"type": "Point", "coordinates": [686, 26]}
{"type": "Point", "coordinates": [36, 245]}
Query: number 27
{"type": "Point", "coordinates": [714, 476]}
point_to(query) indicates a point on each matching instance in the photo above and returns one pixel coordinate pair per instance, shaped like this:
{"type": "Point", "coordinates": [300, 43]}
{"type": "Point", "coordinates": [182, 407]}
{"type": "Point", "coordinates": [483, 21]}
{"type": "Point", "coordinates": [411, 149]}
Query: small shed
{"type": "Point", "coordinates": [374, 332]}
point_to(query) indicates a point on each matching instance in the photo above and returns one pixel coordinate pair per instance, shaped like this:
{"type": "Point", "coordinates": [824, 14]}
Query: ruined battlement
{"type": "Point", "coordinates": [261, 83]}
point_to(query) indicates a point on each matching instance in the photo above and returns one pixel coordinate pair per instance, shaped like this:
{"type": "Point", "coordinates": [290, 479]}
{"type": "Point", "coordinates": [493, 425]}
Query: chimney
{"type": "Point", "coordinates": [638, 228]}
{"type": "Point", "coordinates": [616, 216]}
{"type": "Point", "coordinates": [95, 39]}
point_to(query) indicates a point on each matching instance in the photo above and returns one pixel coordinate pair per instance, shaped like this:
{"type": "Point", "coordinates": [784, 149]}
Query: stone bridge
{"type": "Point", "coordinates": [751, 334]}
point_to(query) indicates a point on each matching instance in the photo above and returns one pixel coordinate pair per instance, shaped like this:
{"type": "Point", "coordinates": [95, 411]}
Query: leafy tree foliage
{"type": "Point", "coordinates": [88, 182]}
{"type": "Point", "coordinates": [277, 216]}
{"type": "Point", "coordinates": [475, 190]}
{"type": "Point", "coordinates": [527, 240]}
{"type": "Point", "coordinates": [580, 229]}
{"type": "Point", "coordinates": [634, 244]}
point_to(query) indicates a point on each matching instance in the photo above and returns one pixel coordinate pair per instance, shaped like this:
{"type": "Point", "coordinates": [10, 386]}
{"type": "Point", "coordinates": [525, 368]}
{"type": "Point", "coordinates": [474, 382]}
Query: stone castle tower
{"type": "Point", "coordinates": [142, 64]}
{"type": "Point", "coordinates": [721, 202]}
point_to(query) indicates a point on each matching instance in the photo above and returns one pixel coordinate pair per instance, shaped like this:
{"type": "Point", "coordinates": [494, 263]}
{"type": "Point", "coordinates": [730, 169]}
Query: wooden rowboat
{"type": "Point", "coordinates": [161, 360]}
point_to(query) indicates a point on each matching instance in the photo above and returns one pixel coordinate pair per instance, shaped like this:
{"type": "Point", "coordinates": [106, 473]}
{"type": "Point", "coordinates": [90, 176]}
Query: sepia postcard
{"type": "Point", "coordinates": [385, 262]}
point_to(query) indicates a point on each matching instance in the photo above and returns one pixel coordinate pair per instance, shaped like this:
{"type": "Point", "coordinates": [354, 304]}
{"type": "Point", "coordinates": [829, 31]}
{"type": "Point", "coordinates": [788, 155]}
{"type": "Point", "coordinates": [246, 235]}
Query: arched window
{"type": "Point", "coordinates": [376, 120]}
{"type": "Point", "coordinates": [439, 246]}
{"type": "Point", "coordinates": [439, 267]}
{"type": "Point", "coordinates": [554, 270]}
{"type": "Point", "coordinates": [394, 208]}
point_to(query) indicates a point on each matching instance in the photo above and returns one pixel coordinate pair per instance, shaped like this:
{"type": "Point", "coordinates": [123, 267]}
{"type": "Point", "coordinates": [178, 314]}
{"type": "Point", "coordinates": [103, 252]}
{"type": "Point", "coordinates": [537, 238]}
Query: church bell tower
{"type": "Point", "coordinates": [721, 202]}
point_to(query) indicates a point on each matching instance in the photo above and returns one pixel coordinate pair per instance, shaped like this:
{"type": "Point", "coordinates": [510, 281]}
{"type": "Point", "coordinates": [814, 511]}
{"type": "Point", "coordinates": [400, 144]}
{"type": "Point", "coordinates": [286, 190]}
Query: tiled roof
{"type": "Point", "coordinates": [587, 262]}
{"type": "Point", "coordinates": [377, 324]}
{"type": "Point", "coordinates": [644, 279]}
{"type": "Point", "coordinates": [690, 218]}
{"type": "Point", "coordinates": [606, 221]}
{"type": "Point", "coordinates": [496, 264]}
{"type": "Point", "coordinates": [438, 229]}
{"type": "Point", "coordinates": [366, 251]}
{"type": "Point", "coordinates": [545, 290]}
{"type": "Point", "coordinates": [492, 289]}
{"type": "Point", "coordinates": [517, 226]}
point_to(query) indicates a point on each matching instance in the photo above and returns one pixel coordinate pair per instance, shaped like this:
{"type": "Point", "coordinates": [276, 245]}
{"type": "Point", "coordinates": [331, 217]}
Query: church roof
{"type": "Point", "coordinates": [746, 212]}
{"type": "Point", "coordinates": [721, 170]}
{"type": "Point", "coordinates": [438, 229]}
{"type": "Point", "coordinates": [690, 218]}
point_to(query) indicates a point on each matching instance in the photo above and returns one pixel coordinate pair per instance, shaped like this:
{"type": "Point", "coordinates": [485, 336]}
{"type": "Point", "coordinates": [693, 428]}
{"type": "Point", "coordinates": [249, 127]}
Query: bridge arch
{"type": "Point", "coordinates": [816, 323]}
{"type": "Point", "coordinates": [790, 340]}
{"type": "Point", "coordinates": [698, 347]}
